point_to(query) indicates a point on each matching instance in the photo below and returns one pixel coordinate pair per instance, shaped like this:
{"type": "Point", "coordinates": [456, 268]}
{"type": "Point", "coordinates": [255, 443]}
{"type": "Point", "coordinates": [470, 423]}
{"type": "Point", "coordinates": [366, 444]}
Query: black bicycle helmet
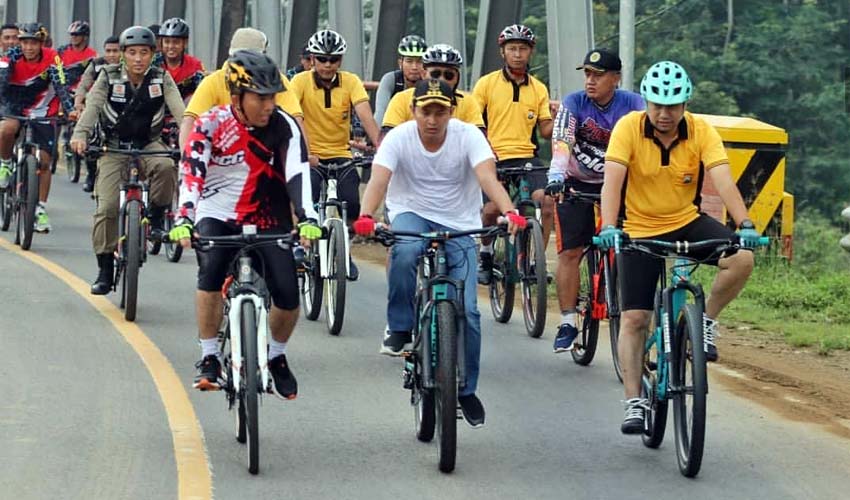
{"type": "Point", "coordinates": [136, 35]}
{"type": "Point", "coordinates": [327, 42]}
{"type": "Point", "coordinates": [250, 71]}
{"type": "Point", "coordinates": [412, 46]}
{"type": "Point", "coordinates": [80, 28]}
{"type": "Point", "coordinates": [442, 54]}
{"type": "Point", "coordinates": [32, 31]}
{"type": "Point", "coordinates": [175, 28]}
{"type": "Point", "coordinates": [517, 33]}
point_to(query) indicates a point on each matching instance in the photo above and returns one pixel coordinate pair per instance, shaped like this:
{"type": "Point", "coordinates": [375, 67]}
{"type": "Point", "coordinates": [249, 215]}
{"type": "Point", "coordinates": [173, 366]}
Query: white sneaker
{"type": "Point", "coordinates": [42, 221]}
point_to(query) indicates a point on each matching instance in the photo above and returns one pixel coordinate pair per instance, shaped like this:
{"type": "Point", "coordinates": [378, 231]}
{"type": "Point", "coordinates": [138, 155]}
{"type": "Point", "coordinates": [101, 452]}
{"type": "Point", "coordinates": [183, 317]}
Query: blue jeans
{"type": "Point", "coordinates": [462, 255]}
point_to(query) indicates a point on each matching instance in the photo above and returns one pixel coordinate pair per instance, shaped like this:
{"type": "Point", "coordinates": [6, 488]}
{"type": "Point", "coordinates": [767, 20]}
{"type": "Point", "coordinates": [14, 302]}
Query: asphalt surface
{"type": "Point", "coordinates": [81, 417]}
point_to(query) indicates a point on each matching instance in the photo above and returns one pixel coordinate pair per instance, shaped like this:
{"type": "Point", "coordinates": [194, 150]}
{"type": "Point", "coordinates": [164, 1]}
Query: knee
{"type": "Point", "coordinates": [741, 264]}
{"type": "Point", "coordinates": [634, 321]}
{"type": "Point", "coordinates": [570, 256]}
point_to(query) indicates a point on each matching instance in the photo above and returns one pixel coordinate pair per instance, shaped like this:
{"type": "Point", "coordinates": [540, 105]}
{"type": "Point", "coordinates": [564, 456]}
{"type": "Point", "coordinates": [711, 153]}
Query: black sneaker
{"type": "Point", "coordinates": [353, 270]}
{"type": "Point", "coordinates": [284, 384]}
{"type": "Point", "coordinates": [635, 414]}
{"type": "Point", "coordinates": [485, 268]}
{"type": "Point", "coordinates": [208, 377]}
{"type": "Point", "coordinates": [472, 409]}
{"type": "Point", "coordinates": [395, 343]}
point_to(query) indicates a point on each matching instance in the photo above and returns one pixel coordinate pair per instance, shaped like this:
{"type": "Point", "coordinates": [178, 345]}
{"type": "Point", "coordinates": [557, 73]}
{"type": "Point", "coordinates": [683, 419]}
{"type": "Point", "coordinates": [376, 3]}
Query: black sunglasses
{"type": "Point", "coordinates": [330, 59]}
{"type": "Point", "coordinates": [447, 73]}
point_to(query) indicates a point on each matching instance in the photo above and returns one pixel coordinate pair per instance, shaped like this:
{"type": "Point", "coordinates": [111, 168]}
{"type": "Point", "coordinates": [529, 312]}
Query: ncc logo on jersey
{"type": "Point", "coordinates": [229, 160]}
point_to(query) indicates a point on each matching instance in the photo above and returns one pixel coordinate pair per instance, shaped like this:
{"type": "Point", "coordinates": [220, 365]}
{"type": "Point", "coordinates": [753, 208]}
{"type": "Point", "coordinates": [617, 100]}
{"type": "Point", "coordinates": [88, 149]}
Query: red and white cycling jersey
{"type": "Point", "coordinates": [245, 175]}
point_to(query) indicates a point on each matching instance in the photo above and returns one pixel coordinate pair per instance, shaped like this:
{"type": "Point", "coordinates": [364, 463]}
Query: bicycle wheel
{"type": "Point", "coordinates": [446, 385]}
{"type": "Point", "coordinates": [532, 265]}
{"type": "Point", "coordinates": [588, 327]}
{"type": "Point", "coordinates": [72, 165]}
{"type": "Point", "coordinates": [612, 299]}
{"type": "Point", "coordinates": [249, 392]}
{"type": "Point", "coordinates": [335, 297]}
{"type": "Point", "coordinates": [424, 413]}
{"type": "Point", "coordinates": [502, 286]}
{"type": "Point", "coordinates": [311, 282]}
{"type": "Point", "coordinates": [689, 374]}
{"type": "Point", "coordinates": [133, 255]}
{"type": "Point", "coordinates": [173, 250]}
{"type": "Point", "coordinates": [7, 202]}
{"type": "Point", "coordinates": [28, 199]}
{"type": "Point", "coordinates": [655, 423]}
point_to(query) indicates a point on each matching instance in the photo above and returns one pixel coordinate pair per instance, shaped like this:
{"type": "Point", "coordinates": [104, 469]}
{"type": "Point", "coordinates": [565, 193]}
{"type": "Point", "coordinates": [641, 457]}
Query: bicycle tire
{"type": "Point", "coordinates": [312, 283]}
{"type": "Point", "coordinates": [424, 414]}
{"type": "Point", "coordinates": [655, 422]}
{"type": "Point", "coordinates": [72, 166]}
{"type": "Point", "coordinates": [173, 250]}
{"type": "Point", "coordinates": [28, 198]}
{"type": "Point", "coordinates": [53, 160]}
{"type": "Point", "coordinates": [335, 297]}
{"type": "Point", "coordinates": [588, 327]}
{"type": "Point", "coordinates": [502, 287]}
{"type": "Point", "coordinates": [446, 385]}
{"type": "Point", "coordinates": [251, 384]}
{"type": "Point", "coordinates": [690, 425]}
{"type": "Point", "coordinates": [7, 202]}
{"type": "Point", "coordinates": [612, 291]}
{"type": "Point", "coordinates": [133, 258]}
{"type": "Point", "coordinates": [532, 263]}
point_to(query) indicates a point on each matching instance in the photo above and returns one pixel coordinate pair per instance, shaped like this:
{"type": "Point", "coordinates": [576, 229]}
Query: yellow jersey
{"type": "Point", "coordinates": [399, 111]}
{"type": "Point", "coordinates": [212, 92]}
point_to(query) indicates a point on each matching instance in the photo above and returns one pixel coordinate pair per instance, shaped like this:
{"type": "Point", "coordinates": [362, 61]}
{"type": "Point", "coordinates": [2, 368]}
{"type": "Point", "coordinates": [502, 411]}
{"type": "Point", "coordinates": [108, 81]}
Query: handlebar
{"type": "Point", "coordinates": [680, 247]}
{"type": "Point", "coordinates": [522, 169]}
{"type": "Point", "coordinates": [362, 162]}
{"type": "Point", "coordinates": [387, 237]}
{"type": "Point", "coordinates": [248, 238]}
{"type": "Point", "coordinates": [95, 152]}
{"type": "Point", "coordinates": [44, 119]}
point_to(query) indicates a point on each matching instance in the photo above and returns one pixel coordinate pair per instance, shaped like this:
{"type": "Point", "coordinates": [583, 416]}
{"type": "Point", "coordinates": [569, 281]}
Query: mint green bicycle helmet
{"type": "Point", "coordinates": [666, 83]}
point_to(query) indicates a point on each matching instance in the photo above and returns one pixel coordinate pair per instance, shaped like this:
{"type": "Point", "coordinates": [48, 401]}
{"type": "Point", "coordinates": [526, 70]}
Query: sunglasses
{"type": "Point", "coordinates": [328, 59]}
{"type": "Point", "coordinates": [446, 73]}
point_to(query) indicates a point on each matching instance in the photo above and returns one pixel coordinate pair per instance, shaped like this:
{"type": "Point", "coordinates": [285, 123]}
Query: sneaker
{"type": "Point", "coordinates": [284, 384]}
{"type": "Point", "coordinates": [5, 175]}
{"type": "Point", "coordinates": [42, 221]}
{"type": "Point", "coordinates": [395, 343]}
{"type": "Point", "coordinates": [353, 270]}
{"type": "Point", "coordinates": [472, 409]}
{"type": "Point", "coordinates": [635, 414]}
{"type": "Point", "coordinates": [485, 268]}
{"type": "Point", "coordinates": [566, 338]}
{"type": "Point", "coordinates": [709, 333]}
{"type": "Point", "coordinates": [208, 377]}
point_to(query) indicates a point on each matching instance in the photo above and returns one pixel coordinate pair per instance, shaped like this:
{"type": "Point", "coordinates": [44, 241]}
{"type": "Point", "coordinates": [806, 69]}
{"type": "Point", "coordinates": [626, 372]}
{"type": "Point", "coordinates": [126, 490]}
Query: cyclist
{"type": "Point", "coordinates": [213, 89]}
{"type": "Point", "coordinates": [111, 55]}
{"type": "Point", "coordinates": [442, 62]}
{"type": "Point", "coordinates": [255, 155]}
{"type": "Point", "coordinates": [327, 95]}
{"type": "Point", "coordinates": [33, 85]}
{"type": "Point", "coordinates": [157, 57]}
{"type": "Point", "coordinates": [187, 71]}
{"type": "Point", "coordinates": [582, 128]}
{"type": "Point", "coordinates": [513, 102]}
{"type": "Point", "coordinates": [410, 51]}
{"type": "Point", "coordinates": [76, 55]}
{"type": "Point", "coordinates": [304, 64]}
{"type": "Point", "coordinates": [432, 171]}
{"type": "Point", "coordinates": [664, 153]}
{"type": "Point", "coordinates": [128, 101]}
{"type": "Point", "coordinates": [8, 38]}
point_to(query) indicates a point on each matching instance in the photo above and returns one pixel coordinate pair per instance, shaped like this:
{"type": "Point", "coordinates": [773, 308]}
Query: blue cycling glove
{"type": "Point", "coordinates": [748, 235]}
{"type": "Point", "coordinates": [610, 237]}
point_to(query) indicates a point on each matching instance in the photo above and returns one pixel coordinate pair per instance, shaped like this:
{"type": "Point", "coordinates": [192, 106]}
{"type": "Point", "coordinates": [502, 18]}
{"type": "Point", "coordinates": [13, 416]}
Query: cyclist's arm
{"type": "Point", "coordinates": [486, 173]}
{"type": "Point", "coordinates": [721, 176]}
{"type": "Point", "coordinates": [544, 115]}
{"type": "Point", "coordinates": [563, 139]}
{"type": "Point", "coordinates": [185, 129]}
{"type": "Point", "coordinates": [173, 99]}
{"type": "Point", "coordinates": [376, 189]}
{"type": "Point", "coordinates": [364, 112]}
{"type": "Point", "coordinates": [545, 127]}
{"type": "Point", "coordinates": [193, 171]}
{"type": "Point", "coordinates": [297, 170]}
{"type": "Point", "coordinates": [383, 95]}
{"type": "Point", "coordinates": [612, 187]}
{"type": "Point", "coordinates": [60, 85]}
{"type": "Point", "coordinates": [95, 99]}
{"type": "Point", "coordinates": [86, 82]}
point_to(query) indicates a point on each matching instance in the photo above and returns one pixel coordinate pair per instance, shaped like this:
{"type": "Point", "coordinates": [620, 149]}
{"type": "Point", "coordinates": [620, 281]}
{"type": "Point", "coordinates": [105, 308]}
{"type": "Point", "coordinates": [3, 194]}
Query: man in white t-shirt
{"type": "Point", "coordinates": [432, 171]}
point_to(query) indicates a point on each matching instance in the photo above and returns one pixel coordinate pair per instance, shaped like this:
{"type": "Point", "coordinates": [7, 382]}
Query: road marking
{"type": "Point", "coordinates": [194, 480]}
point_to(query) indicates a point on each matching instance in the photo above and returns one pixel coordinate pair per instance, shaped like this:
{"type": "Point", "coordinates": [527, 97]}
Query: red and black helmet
{"type": "Point", "coordinates": [517, 33]}
{"type": "Point", "coordinates": [80, 28]}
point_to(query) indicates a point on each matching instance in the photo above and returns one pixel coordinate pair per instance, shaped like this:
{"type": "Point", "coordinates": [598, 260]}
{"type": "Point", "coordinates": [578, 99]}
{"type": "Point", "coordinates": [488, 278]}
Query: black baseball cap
{"type": "Point", "coordinates": [601, 60]}
{"type": "Point", "coordinates": [433, 91]}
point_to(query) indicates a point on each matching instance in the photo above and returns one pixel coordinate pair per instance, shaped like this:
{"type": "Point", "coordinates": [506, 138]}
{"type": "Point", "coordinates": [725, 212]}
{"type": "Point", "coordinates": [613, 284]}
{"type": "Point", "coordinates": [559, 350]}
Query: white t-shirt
{"type": "Point", "coordinates": [439, 186]}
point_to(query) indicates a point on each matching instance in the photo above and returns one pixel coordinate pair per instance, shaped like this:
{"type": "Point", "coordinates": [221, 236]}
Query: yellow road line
{"type": "Point", "coordinates": [194, 480]}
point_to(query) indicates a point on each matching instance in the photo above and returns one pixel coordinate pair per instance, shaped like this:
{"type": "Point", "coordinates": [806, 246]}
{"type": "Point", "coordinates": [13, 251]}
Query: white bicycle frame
{"type": "Point", "coordinates": [234, 318]}
{"type": "Point", "coordinates": [328, 214]}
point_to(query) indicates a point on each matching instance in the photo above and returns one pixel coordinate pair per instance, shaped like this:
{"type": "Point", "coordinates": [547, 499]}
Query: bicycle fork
{"type": "Point", "coordinates": [234, 316]}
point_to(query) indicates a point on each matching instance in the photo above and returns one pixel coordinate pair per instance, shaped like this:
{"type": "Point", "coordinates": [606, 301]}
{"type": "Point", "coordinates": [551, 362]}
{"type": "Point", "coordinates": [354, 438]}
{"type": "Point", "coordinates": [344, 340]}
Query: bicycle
{"type": "Point", "coordinates": [434, 368]}
{"type": "Point", "coordinates": [173, 252]}
{"type": "Point", "coordinates": [597, 295]}
{"type": "Point", "coordinates": [20, 198]}
{"type": "Point", "coordinates": [521, 258]}
{"type": "Point", "coordinates": [245, 329]}
{"type": "Point", "coordinates": [674, 355]}
{"type": "Point", "coordinates": [327, 260]}
{"type": "Point", "coordinates": [73, 161]}
{"type": "Point", "coordinates": [133, 228]}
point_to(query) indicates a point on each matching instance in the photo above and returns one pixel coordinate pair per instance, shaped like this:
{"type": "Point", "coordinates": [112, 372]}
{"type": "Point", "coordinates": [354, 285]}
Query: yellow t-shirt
{"type": "Point", "coordinates": [663, 185]}
{"type": "Point", "coordinates": [212, 92]}
{"type": "Point", "coordinates": [327, 112]}
{"type": "Point", "coordinates": [511, 112]}
{"type": "Point", "coordinates": [398, 110]}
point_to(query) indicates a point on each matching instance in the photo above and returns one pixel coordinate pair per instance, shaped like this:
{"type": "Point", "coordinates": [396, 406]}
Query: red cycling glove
{"type": "Point", "coordinates": [364, 225]}
{"type": "Point", "coordinates": [517, 219]}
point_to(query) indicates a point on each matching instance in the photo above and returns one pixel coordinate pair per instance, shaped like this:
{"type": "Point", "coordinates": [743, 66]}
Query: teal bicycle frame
{"type": "Point", "coordinates": [520, 194]}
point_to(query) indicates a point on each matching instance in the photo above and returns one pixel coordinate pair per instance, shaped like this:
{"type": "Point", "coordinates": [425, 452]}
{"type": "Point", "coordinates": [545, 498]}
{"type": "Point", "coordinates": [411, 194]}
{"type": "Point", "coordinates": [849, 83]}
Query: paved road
{"type": "Point", "coordinates": [81, 416]}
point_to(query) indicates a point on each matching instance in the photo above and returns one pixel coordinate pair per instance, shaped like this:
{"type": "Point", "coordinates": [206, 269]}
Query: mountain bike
{"type": "Point", "coordinates": [327, 260]}
{"type": "Point", "coordinates": [133, 227]}
{"type": "Point", "coordinates": [243, 336]}
{"type": "Point", "coordinates": [73, 161]}
{"type": "Point", "coordinates": [674, 361]}
{"type": "Point", "coordinates": [520, 259]}
{"type": "Point", "coordinates": [434, 368]}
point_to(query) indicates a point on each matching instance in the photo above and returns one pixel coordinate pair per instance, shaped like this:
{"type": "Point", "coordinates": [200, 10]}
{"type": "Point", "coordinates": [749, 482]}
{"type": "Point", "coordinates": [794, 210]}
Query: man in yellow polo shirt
{"type": "Point", "coordinates": [327, 96]}
{"type": "Point", "coordinates": [665, 153]}
{"type": "Point", "coordinates": [442, 62]}
{"type": "Point", "coordinates": [513, 103]}
{"type": "Point", "coordinates": [212, 91]}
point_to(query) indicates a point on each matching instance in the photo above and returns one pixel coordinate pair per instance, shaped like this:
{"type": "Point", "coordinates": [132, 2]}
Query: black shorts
{"type": "Point", "coordinates": [536, 180]}
{"type": "Point", "coordinates": [576, 220]}
{"type": "Point", "coordinates": [43, 135]}
{"type": "Point", "coordinates": [639, 272]}
{"type": "Point", "coordinates": [275, 264]}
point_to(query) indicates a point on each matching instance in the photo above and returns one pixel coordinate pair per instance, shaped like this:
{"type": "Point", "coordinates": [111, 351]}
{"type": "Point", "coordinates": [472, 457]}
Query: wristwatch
{"type": "Point", "coordinates": [746, 224]}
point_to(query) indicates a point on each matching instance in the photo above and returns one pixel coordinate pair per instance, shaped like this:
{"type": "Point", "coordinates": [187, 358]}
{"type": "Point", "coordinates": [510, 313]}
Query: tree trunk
{"type": "Point", "coordinates": [730, 21]}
